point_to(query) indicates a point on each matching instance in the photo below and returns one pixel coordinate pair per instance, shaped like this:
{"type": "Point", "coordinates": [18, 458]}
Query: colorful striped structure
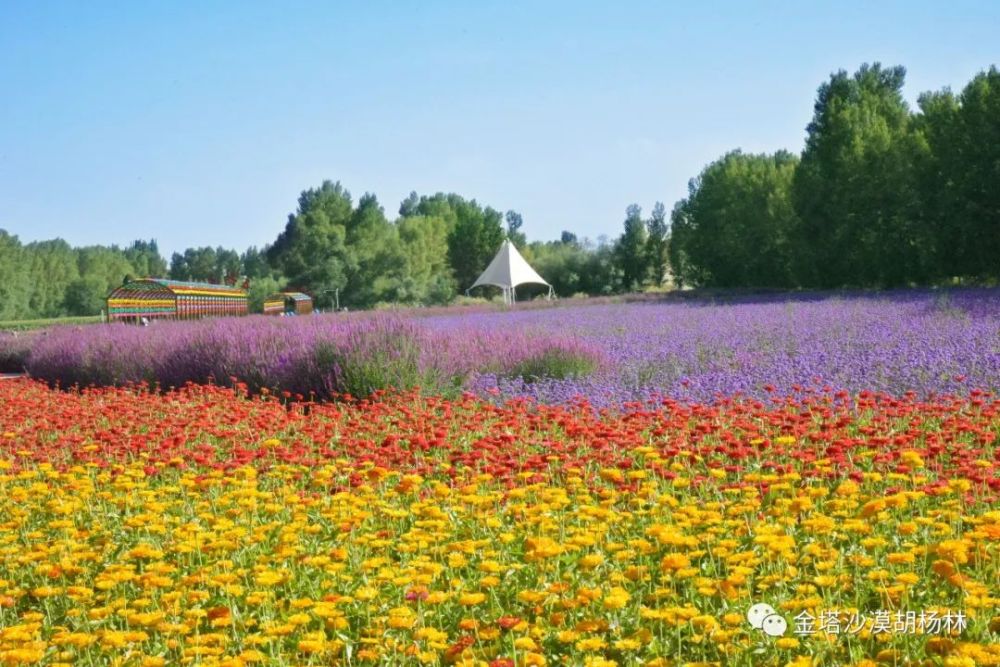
{"type": "Point", "coordinates": [173, 299]}
{"type": "Point", "coordinates": [288, 302]}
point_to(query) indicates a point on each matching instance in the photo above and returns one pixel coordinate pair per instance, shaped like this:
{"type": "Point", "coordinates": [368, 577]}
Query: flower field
{"type": "Point", "coordinates": [213, 526]}
{"type": "Point", "coordinates": [698, 350]}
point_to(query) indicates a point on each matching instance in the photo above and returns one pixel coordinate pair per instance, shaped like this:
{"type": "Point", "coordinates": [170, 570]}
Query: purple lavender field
{"type": "Point", "coordinates": [926, 342]}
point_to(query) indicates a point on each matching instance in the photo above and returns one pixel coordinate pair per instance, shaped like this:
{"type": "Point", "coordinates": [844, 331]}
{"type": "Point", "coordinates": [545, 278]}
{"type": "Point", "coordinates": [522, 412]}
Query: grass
{"type": "Point", "coordinates": [27, 325]}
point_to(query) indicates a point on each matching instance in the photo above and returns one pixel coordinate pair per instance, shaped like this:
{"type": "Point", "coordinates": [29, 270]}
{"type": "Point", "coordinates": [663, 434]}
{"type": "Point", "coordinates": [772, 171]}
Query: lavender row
{"type": "Point", "coordinates": [610, 354]}
{"type": "Point", "coordinates": [317, 356]}
{"type": "Point", "coordinates": [922, 341]}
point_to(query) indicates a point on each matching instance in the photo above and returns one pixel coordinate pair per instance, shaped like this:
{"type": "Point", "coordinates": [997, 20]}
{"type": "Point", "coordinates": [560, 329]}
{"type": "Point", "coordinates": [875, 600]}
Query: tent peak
{"type": "Point", "coordinates": [508, 270]}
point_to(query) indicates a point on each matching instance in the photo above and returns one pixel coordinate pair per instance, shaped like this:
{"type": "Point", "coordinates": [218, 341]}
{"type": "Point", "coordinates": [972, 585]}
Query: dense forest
{"type": "Point", "coordinates": [880, 196]}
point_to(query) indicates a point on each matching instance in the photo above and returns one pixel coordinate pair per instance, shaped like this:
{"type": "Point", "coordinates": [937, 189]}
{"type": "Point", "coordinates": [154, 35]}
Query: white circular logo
{"type": "Point", "coordinates": [764, 617]}
{"type": "Point", "coordinates": [758, 613]}
{"type": "Point", "coordinates": [774, 626]}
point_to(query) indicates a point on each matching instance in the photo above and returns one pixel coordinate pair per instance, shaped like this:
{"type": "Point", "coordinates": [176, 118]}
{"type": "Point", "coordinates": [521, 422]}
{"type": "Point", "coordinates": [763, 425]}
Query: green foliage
{"type": "Point", "coordinates": [630, 253]}
{"type": "Point", "coordinates": [15, 287]}
{"type": "Point", "coordinates": [52, 267]}
{"type": "Point", "coordinates": [959, 177]}
{"type": "Point", "coordinates": [880, 197]}
{"type": "Point", "coordinates": [856, 189]}
{"type": "Point", "coordinates": [50, 279]}
{"type": "Point", "coordinates": [656, 245]}
{"type": "Point", "coordinates": [553, 364]}
{"type": "Point", "coordinates": [427, 278]}
{"type": "Point", "coordinates": [575, 267]}
{"type": "Point", "coordinates": [145, 259]}
{"type": "Point", "coordinates": [260, 289]}
{"type": "Point", "coordinates": [254, 263]}
{"type": "Point", "coordinates": [43, 323]}
{"type": "Point", "coordinates": [86, 295]}
{"type": "Point", "coordinates": [389, 362]}
{"type": "Point", "coordinates": [101, 269]}
{"type": "Point", "coordinates": [312, 250]}
{"type": "Point", "coordinates": [206, 265]}
{"type": "Point", "coordinates": [514, 233]}
{"type": "Point", "coordinates": [734, 229]}
{"type": "Point", "coordinates": [473, 241]}
{"type": "Point", "coordinates": [474, 233]}
{"type": "Point", "coordinates": [197, 264]}
{"type": "Point", "coordinates": [375, 258]}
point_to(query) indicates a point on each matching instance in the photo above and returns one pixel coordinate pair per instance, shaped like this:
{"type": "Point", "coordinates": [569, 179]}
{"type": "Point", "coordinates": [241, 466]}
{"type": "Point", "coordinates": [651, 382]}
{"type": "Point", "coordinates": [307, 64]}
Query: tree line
{"type": "Point", "coordinates": [340, 250]}
{"type": "Point", "coordinates": [880, 196]}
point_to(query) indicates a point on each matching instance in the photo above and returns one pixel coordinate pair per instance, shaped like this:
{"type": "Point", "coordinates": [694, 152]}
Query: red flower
{"type": "Point", "coordinates": [508, 622]}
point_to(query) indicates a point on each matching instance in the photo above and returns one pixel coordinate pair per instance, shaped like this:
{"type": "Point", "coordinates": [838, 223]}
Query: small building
{"type": "Point", "coordinates": [155, 298]}
{"type": "Point", "coordinates": [288, 302]}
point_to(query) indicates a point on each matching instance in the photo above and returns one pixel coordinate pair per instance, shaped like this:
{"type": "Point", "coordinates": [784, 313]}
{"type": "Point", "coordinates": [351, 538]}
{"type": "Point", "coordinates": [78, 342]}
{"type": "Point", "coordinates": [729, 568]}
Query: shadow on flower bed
{"type": "Point", "coordinates": [14, 351]}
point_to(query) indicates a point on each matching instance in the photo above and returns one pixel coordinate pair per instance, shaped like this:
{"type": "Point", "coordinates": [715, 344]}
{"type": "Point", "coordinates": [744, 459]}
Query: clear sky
{"type": "Point", "coordinates": [198, 123]}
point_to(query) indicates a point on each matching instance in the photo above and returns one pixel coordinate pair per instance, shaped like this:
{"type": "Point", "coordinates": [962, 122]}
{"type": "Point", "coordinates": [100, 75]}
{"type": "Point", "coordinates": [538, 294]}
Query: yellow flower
{"type": "Point", "coordinates": [627, 645]}
{"type": "Point", "coordinates": [471, 599]}
{"type": "Point", "coordinates": [616, 599]}
{"type": "Point", "coordinates": [912, 459]}
{"type": "Point", "coordinates": [674, 561]}
{"type": "Point", "coordinates": [525, 643]}
{"type": "Point", "coordinates": [590, 644]}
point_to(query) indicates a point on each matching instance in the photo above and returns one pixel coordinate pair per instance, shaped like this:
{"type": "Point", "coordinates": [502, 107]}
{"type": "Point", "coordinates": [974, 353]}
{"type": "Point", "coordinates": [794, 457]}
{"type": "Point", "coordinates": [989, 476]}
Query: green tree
{"type": "Point", "coordinates": [473, 241]}
{"type": "Point", "coordinates": [260, 288]}
{"type": "Point", "coordinates": [15, 279]}
{"type": "Point", "coordinates": [630, 252]}
{"type": "Point", "coordinates": [227, 264]}
{"type": "Point", "coordinates": [855, 189]}
{"type": "Point", "coordinates": [563, 265]}
{"type": "Point", "coordinates": [101, 269]}
{"type": "Point", "coordinates": [86, 295]}
{"type": "Point", "coordinates": [410, 206]}
{"type": "Point", "coordinates": [960, 175]}
{"type": "Point", "coordinates": [311, 251]}
{"type": "Point", "coordinates": [145, 257]}
{"type": "Point", "coordinates": [736, 226]}
{"type": "Point", "coordinates": [254, 264]}
{"type": "Point", "coordinates": [685, 272]}
{"type": "Point", "coordinates": [52, 267]}
{"type": "Point", "coordinates": [428, 278]}
{"type": "Point", "coordinates": [376, 262]}
{"type": "Point", "coordinates": [656, 244]}
{"type": "Point", "coordinates": [514, 233]}
{"type": "Point", "coordinates": [179, 269]}
{"type": "Point", "coordinates": [197, 264]}
{"type": "Point", "coordinates": [474, 232]}
{"type": "Point", "coordinates": [602, 273]}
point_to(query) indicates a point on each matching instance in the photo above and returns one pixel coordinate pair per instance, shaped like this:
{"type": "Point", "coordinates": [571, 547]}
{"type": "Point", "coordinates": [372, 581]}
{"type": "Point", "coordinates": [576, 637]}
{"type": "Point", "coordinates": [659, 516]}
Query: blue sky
{"type": "Point", "coordinates": [200, 123]}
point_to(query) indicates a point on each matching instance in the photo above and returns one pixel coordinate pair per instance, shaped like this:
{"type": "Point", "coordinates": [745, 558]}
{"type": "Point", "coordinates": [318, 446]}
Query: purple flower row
{"type": "Point", "coordinates": [928, 342]}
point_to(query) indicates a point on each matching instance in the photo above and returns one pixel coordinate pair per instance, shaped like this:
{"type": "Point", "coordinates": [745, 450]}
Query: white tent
{"type": "Point", "coordinates": [508, 270]}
